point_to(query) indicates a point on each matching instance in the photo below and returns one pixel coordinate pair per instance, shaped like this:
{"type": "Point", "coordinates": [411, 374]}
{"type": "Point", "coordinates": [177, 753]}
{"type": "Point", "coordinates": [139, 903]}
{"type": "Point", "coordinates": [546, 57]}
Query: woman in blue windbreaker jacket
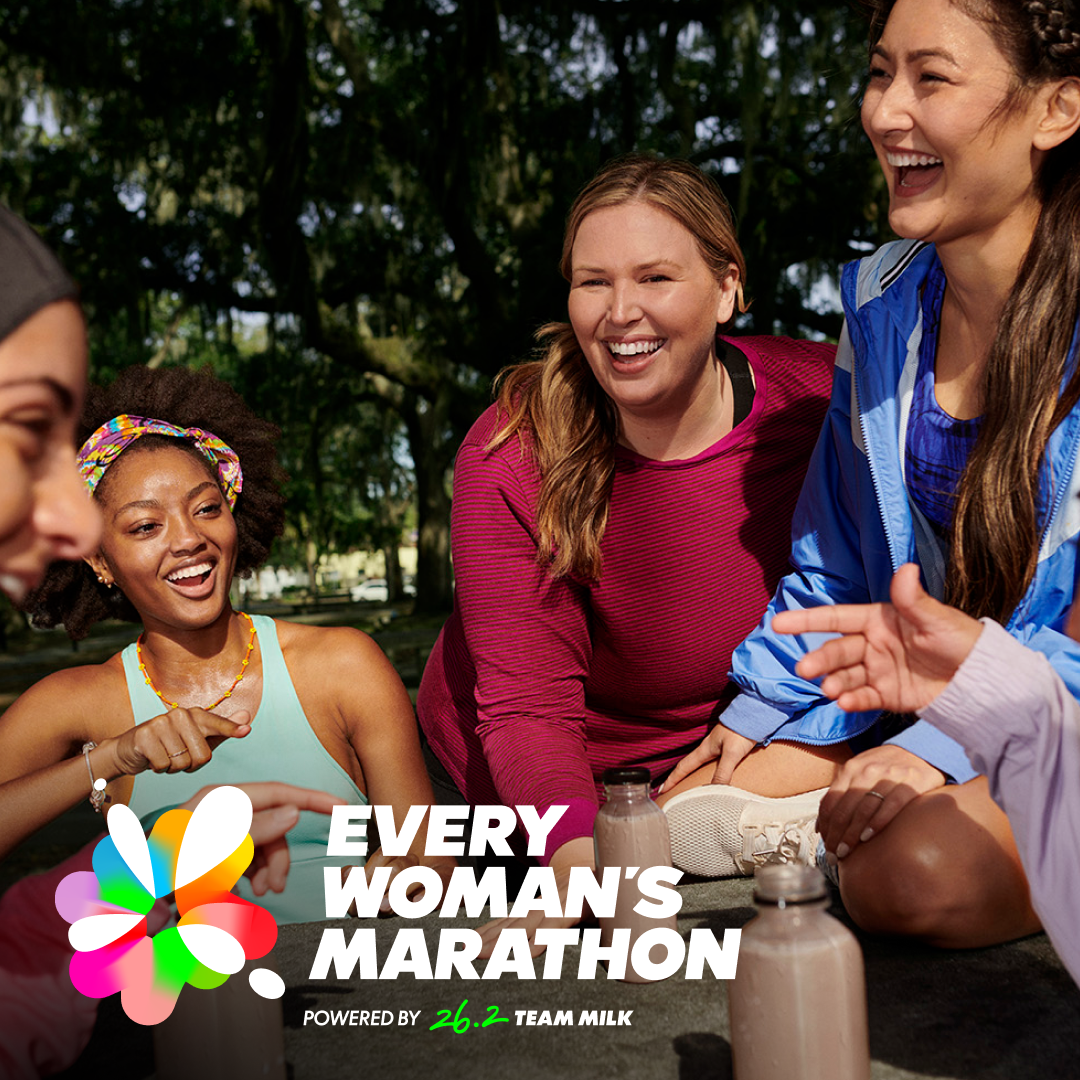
{"type": "Point", "coordinates": [951, 441]}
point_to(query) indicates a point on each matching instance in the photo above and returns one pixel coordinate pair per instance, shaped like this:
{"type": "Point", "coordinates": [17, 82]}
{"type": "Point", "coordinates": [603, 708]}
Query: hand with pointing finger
{"type": "Point", "coordinates": [181, 740]}
{"type": "Point", "coordinates": [896, 656]}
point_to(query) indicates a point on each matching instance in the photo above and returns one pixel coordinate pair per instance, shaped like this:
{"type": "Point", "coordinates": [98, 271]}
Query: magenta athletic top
{"type": "Point", "coordinates": [535, 685]}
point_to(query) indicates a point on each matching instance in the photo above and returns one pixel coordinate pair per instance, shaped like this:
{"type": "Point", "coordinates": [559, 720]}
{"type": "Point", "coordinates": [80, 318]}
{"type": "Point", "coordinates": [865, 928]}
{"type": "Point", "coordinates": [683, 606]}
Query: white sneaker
{"type": "Point", "coordinates": [722, 831]}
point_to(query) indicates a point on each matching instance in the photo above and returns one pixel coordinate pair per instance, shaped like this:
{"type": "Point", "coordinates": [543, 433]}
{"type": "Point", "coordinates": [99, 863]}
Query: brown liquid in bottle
{"type": "Point", "coordinates": [798, 1000]}
{"type": "Point", "coordinates": [631, 831]}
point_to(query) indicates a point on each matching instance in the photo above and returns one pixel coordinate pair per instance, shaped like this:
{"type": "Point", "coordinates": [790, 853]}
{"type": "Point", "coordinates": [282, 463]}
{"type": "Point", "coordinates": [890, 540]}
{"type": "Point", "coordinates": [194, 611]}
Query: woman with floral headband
{"type": "Point", "coordinates": [187, 482]}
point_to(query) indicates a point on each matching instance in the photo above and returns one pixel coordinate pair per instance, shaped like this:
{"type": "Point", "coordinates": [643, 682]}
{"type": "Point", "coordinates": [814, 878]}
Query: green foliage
{"type": "Point", "coordinates": [355, 209]}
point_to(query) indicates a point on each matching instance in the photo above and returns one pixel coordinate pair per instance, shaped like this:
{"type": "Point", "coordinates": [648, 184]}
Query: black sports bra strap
{"type": "Point", "coordinates": [742, 382]}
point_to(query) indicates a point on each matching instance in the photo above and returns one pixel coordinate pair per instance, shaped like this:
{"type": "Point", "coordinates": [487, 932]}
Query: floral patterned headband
{"type": "Point", "coordinates": [112, 439]}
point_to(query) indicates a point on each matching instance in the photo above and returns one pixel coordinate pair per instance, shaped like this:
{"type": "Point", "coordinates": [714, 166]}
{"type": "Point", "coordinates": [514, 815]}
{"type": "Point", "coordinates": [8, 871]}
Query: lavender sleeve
{"type": "Point", "coordinates": [1020, 726]}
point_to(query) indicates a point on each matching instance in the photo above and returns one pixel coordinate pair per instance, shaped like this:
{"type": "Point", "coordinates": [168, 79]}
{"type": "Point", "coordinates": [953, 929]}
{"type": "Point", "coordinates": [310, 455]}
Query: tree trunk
{"type": "Point", "coordinates": [432, 445]}
{"type": "Point", "coordinates": [311, 555]}
{"type": "Point", "coordinates": [394, 582]}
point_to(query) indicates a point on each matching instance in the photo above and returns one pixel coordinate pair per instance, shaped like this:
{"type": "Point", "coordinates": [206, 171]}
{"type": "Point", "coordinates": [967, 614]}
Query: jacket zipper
{"type": "Point", "coordinates": [888, 541]}
{"type": "Point", "coordinates": [873, 474]}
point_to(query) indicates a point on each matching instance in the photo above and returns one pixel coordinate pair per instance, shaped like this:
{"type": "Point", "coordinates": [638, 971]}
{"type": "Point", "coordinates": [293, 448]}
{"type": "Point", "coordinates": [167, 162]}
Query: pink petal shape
{"type": "Point", "coordinates": [105, 971]}
{"type": "Point", "coordinates": [78, 896]}
{"type": "Point", "coordinates": [253, 926]}
{"type": "Point", "coordinates": [146, 999]}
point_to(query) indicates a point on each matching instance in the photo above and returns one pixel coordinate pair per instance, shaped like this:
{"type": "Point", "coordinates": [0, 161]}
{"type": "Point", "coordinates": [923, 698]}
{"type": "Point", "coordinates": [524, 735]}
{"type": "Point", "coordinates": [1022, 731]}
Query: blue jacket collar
{"type": "Point", "coordinates": [883, 308]}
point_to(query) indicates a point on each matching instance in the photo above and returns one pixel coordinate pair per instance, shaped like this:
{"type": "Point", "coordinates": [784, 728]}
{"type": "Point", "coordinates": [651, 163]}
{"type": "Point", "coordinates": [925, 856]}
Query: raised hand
{"type": "Point", "coordinates": [896, 656]}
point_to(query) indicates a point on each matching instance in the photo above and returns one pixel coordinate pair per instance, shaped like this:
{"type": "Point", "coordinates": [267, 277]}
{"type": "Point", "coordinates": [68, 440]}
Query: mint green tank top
{"type": "Point", "coordinates": [281, 746]}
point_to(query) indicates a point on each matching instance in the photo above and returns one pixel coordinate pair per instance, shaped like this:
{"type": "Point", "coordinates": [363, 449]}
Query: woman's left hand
{"type": "Point", "coordinates": [869, 791]}
{"type": "Point", "coordinates": [722, 745]}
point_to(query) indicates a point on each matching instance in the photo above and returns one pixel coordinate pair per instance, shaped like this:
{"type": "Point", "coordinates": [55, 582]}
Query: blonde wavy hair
{"type": "Point", "coordinates": [555, 405]}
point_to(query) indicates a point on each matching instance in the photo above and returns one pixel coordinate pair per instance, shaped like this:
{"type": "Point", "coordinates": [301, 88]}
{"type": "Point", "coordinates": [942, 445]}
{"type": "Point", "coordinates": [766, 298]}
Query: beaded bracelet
{"type": "Point", "coordinates": [97, 787]}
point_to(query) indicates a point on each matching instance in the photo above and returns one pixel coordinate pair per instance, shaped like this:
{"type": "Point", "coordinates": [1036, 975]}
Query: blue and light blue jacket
{"type": "Point", "coordinates": [854, 525]}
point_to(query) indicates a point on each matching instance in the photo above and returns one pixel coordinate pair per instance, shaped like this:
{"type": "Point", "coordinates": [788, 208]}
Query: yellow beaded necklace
{"type": "Point", "coordinates": [228, 693]}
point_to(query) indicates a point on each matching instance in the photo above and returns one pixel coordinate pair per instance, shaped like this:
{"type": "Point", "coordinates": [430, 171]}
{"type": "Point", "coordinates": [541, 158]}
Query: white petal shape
{"type": "Point", "coordinates": [96, 931]}
{"type": "Point", "coordinates": [216, 829]}
{"type": "Point", "coordinates": [214, 947]}
{"type": "Point", "coordinates": [127, 835]}
{"type": "Point", "coordinates": [266, 983]}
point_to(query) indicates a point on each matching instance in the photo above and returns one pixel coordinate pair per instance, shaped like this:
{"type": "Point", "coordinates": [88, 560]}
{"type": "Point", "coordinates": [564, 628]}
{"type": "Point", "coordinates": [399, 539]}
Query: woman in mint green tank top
{"type": "Point", "coordinates": [187, 481]}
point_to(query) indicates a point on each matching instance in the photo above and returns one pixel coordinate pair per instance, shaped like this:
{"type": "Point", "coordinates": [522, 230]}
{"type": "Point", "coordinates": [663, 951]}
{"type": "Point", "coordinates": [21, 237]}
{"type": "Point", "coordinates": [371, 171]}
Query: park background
{"type": "Point", "coordinates": [353, 211]}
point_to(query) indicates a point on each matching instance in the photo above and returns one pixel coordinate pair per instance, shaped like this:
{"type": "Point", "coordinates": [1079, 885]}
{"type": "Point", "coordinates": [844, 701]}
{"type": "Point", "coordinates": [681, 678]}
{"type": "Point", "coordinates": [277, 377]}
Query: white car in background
{"type": "Point", "coordinates": [372, 589]}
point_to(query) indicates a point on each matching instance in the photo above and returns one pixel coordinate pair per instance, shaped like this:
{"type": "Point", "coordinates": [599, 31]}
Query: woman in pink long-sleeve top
{"type": "Point", "coordinates": [621, 516]}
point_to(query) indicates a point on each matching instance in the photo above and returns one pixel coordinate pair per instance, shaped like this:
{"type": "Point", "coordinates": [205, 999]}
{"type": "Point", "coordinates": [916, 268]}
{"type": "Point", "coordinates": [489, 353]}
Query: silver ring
{"type": "Point", "coordinates": [180, 753]}
{"type": "Point", "coordinates": [877, 795]}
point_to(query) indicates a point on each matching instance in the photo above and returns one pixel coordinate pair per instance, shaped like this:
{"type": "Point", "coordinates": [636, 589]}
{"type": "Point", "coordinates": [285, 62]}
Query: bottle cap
{"type": "Point", "coordinates": [788, 883]}
{"type": "Point", "coordinates": [635, 775]}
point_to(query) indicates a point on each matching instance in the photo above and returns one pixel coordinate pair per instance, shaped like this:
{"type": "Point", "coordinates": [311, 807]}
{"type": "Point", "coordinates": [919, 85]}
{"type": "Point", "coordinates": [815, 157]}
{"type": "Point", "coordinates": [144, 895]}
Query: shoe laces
{"type": "Point", "coordinates": [777, 842]}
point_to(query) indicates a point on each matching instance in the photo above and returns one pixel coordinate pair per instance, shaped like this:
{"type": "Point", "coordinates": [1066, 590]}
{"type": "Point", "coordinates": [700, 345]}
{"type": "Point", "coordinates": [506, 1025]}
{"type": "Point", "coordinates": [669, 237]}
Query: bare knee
{"type": "Point", "coordinates": [941, 875]}
{"type": "Point", "coordinates": [902, 885]}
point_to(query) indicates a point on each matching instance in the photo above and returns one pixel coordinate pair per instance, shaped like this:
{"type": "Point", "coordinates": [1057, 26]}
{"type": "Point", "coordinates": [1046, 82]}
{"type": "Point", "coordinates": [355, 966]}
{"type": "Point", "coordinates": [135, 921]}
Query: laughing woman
{"type": "Point", "coordinates": [621, 516]}
{"type": "Point", "coordinates": [952, 442]}
{"type": "Point", "coordinates": [187, 482]}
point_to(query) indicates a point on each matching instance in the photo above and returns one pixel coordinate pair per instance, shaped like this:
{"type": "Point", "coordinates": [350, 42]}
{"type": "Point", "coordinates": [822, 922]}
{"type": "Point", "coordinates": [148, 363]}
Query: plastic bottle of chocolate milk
{"type": "Point", "coordinates": [631, 831]}
{"type": "Point", "coordinates": [798, 999]}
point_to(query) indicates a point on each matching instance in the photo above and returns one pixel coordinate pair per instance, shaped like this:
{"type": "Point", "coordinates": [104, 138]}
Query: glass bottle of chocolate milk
{"type": "Point", "coordinates": [798, 999]}
{"type": "Point", "coordinates": [631, 832]}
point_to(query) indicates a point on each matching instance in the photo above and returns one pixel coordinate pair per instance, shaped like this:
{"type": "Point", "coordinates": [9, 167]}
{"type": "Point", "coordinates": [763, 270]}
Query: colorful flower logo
{"type": "Point", "coordinates": [197, 855]}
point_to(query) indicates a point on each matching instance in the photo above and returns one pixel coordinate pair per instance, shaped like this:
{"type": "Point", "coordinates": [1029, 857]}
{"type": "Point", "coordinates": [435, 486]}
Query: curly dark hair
{"type": "Point", "coordinates": [70, 593]}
